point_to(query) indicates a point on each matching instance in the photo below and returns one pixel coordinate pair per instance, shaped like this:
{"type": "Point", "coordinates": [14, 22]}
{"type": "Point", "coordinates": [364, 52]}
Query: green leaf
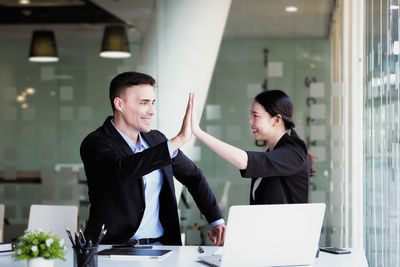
{"type": "Point", "coordinates": [38, 238]}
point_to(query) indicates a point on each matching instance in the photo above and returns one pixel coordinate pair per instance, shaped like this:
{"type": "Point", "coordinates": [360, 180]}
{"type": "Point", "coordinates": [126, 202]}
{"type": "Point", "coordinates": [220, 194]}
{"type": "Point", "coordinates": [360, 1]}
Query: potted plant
{"type": "Point", "coordinates": [39, 248]}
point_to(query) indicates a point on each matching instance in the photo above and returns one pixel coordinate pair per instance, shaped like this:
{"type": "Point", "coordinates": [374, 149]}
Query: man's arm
{"type": "Point", "coordinates": [191, 176]}
{"type": "Point", "coordinates": [106, 160]}
{"type": "Point", "coordinates": [102, 155]}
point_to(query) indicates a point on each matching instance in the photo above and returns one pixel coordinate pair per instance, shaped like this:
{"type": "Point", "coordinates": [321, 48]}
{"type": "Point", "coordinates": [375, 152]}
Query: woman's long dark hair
{"type": "Point", "coordinates": [277, 102]}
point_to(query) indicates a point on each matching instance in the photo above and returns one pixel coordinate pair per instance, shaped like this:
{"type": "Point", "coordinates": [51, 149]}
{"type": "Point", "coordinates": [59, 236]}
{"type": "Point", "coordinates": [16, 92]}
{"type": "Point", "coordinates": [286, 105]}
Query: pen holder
{"type": "Point", "coordinates": [85, 257]}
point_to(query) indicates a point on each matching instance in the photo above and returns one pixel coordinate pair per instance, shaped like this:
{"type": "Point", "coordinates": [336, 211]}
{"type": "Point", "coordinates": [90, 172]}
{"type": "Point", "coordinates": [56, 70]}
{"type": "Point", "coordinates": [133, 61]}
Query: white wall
{"type": "Point", "coordinates": [181, 67]}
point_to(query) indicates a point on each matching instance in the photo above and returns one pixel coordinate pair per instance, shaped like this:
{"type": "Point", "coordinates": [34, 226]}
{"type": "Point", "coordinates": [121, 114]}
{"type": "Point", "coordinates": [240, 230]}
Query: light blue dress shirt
{"type": "Point", "coordinates": [150, 226]}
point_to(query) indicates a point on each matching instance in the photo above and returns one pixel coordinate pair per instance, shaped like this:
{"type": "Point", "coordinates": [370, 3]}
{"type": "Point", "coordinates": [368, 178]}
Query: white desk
{"type": "Point", "coordinates": [186, 256]}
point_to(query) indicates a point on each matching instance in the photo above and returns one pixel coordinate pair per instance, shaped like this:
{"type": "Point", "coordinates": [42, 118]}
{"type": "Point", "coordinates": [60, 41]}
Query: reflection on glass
{"type": "Point", "coordinates": [382, 134]}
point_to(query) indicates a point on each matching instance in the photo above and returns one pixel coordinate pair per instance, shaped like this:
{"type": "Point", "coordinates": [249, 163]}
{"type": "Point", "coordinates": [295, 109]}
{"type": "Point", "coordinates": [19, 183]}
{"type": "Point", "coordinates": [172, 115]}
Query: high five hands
{"type": "Point", "coordinates": [195, 123]}
{"type": "Point", "coordinates": [186, 129]}
{"type": "Point", "coordinates": [191, 126]}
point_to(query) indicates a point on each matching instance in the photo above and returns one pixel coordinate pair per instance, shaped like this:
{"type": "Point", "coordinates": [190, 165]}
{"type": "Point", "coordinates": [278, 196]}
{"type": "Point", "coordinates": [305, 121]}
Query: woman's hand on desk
{"type": "Point", "coordinates": [217, 234]}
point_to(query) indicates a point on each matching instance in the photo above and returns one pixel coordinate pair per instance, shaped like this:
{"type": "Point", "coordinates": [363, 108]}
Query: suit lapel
{"type": "Point", "coordinates": [114, 134]}
{"type": "Point", "coordinates": [152, 140]}
{"type": "Point", "coordinates": [110, 130]}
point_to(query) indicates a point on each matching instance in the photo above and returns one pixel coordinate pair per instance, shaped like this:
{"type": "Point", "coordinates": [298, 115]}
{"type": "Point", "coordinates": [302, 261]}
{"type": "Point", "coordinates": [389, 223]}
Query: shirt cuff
{"type": "Point", "coordinates": [172, 154]}
{"type": "Point", "coordinates": [217, 222]}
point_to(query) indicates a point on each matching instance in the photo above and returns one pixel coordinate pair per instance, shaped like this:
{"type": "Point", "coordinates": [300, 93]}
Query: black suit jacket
{"type": "Point", "coordinates": [285, 171]}
{"type": "Point", "coordinates": [116, 191]}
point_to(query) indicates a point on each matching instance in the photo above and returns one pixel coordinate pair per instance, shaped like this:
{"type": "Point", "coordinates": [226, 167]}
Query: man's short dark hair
{"type": "Point", "coordinates": [127, 79]}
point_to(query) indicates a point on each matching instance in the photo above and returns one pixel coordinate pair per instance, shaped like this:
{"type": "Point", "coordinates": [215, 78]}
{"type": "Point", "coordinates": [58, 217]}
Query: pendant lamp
{"type": "Point", "coordinates": [43, 47]}
{"type": "Point", "coordinates": [115, 43]}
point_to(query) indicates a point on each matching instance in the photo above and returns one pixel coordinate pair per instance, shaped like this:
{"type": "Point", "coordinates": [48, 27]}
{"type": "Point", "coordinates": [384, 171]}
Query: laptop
{"type": "Point", "coordinates": [271, 235]}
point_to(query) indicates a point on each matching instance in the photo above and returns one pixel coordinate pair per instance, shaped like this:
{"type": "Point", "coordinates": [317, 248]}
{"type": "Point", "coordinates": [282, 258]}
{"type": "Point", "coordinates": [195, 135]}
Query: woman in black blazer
{"type": "Point", "coordinates": [281, 174]}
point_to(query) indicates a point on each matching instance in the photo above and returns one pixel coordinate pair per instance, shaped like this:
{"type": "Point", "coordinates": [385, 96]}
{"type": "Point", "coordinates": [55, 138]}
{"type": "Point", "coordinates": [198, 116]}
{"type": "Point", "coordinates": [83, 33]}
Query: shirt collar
{"type": "Point", "coordinates": [141, 144]}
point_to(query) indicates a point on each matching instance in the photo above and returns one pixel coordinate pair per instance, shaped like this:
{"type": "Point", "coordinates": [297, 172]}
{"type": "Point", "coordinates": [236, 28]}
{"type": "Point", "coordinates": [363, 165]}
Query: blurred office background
{"type": "Point", "coordinates": [336, 59]}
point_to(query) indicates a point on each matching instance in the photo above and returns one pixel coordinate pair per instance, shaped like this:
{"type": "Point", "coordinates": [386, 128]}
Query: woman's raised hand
{"type": "Point", "coordinates": [195, 123]}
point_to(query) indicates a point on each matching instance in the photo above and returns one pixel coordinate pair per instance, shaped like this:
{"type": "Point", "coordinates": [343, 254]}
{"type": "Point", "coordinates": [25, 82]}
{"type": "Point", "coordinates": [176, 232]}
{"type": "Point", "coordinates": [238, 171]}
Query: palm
{"type": "Point", "coordinates": [186, 130]}
{"type": "Point", "coordinates": [195, 122]}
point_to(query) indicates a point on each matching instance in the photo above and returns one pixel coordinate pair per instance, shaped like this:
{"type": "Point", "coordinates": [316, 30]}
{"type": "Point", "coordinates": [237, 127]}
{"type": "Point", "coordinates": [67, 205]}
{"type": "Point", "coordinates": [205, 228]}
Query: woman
{"type": "Point", "coordinates": [281, 174]}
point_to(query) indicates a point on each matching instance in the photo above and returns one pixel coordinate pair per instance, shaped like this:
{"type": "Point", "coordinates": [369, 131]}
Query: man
{"type": "Point", "coordinates": [130, 169]}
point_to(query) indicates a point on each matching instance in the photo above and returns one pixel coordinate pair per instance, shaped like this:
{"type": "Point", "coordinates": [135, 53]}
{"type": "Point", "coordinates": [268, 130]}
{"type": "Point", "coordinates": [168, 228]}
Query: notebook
{"type": "Point", "coordinates": [270, 235]}
{"type": "Point", "coordinates": [134, 253]}
{"type": "Point", "coordinates": [7, 248]}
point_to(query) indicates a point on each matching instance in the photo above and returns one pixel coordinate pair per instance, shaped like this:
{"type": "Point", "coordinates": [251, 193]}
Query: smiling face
{"type": "Point", "coordinates": [134, 109]}
{"type": "Point", "coordinates": [262, 123]}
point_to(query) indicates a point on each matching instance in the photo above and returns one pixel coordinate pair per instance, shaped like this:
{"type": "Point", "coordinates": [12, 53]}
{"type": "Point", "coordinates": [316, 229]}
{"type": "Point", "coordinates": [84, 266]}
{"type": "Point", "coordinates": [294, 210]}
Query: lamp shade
{"type": "Point", "coordinates": [43, 47]}
{"type": "Point", "coordinates": [115, 43]}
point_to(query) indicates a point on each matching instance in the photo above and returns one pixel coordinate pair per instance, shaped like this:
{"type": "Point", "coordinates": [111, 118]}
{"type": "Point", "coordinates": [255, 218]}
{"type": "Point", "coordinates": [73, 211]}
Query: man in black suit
{"type": "Point", "coordinates": [130, 169]}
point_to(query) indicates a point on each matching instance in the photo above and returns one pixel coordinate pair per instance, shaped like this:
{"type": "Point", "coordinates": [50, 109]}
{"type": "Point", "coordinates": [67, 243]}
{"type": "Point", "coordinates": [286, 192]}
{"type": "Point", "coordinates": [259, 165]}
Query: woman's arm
{"type": "Point", "coordinates": [235, 156]}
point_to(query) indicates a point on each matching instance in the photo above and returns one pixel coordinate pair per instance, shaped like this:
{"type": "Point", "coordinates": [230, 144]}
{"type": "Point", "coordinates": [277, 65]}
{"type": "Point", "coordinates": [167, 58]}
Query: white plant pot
{"type": "Point", "coordinates": [40, 262]}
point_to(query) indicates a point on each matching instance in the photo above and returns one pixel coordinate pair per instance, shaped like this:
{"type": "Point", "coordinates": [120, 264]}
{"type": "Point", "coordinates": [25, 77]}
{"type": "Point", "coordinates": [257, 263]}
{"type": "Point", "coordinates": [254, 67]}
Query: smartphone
{"type": "Point", "coordinates": [335, 250]}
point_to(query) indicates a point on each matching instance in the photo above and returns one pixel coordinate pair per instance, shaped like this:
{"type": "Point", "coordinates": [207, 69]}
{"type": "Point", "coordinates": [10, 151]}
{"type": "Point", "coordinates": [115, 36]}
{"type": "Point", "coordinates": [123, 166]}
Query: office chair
{"type": "Point", "coordinates": [54, 218]}
{"type": "Point", "coordinates": [2, 212]}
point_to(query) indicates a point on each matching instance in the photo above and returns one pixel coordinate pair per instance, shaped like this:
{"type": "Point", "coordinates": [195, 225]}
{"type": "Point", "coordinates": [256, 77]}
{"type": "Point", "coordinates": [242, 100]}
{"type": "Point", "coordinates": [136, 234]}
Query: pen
{"type": "Point", "coordinates": [78, 242]}
{"type": "Point", "coordinates": [70, 236]}
{"type": "Point", "coordinates": [83, 237]}
{"type": "Point", "coordinates": [101, 236]}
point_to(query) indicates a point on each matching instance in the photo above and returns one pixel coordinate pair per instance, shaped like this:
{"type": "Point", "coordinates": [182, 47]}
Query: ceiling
{"type": "Point", "coordinates": [51, 11]}
{"type": "Point", "coordinates": [268, 19]}
{"type": "Point", "coordinates": [247, 18]}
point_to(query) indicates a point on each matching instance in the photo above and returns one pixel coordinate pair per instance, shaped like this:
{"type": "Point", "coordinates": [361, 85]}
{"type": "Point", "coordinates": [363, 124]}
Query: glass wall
{"type": "Point", "coordinates": [298, 66]}
{"type": "Point", "coordinates": [41, 135]}
{"type": "Point", "coordinates": [382, 134]}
